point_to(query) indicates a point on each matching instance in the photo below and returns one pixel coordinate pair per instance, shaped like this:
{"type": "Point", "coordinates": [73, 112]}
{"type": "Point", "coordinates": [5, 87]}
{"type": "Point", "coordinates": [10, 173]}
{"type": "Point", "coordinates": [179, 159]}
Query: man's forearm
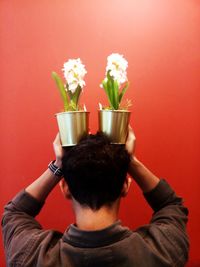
{"type": "Point", "coordinates": [145, 179]}
{"type": "Point", "coordinates": [42, 186]}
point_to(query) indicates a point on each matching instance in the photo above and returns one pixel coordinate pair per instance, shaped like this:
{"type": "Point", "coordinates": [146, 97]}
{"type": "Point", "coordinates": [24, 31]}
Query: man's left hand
{"type": "Point", "coordinates": [58, 150]}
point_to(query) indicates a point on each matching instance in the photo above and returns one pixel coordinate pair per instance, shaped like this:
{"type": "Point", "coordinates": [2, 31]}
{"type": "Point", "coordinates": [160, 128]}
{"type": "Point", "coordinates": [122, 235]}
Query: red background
{"type": "Point", "coordinates": [160, 40]}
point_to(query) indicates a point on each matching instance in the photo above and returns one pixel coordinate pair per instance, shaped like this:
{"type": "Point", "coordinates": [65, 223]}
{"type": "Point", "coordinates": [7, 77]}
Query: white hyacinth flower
{"type": "Point", "coordinates": [117, 66]}
{"type": "Point", "coordinates": [74, 72]}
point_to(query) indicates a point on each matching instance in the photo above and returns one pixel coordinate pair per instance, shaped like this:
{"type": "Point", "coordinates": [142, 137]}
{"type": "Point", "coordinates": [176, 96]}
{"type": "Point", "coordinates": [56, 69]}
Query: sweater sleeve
{"type": "Point", "coordinates": [166, 233]}
{"type": "Point", "coordinates": [19, 226]}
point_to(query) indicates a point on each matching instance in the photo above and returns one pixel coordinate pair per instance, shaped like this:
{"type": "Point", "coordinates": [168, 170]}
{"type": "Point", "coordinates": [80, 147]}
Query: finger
{"type": "Point", "coordinates": [131, 129]}
{"type": "Point", "coordinates": [58, 150]}
{"type": "Point", "coordinates": [131, 135]}
{"type": "Point", "coordinates": [57, 139]}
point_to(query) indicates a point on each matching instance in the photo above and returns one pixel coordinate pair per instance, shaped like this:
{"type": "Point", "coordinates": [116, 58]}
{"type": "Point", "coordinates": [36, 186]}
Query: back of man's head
{"type": "Point", "coordinates": [95, 171]}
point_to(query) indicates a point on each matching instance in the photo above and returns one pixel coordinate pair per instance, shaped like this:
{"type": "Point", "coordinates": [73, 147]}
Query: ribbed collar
{"type": "Point", "coordinates": [90, 239]}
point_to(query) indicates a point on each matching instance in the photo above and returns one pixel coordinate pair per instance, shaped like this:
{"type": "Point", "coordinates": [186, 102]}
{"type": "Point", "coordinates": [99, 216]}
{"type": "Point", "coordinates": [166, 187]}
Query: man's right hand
{"type": "Point", "coordinates": [142, 176]}
{"type": "Point", "coordinates": [130, 141]}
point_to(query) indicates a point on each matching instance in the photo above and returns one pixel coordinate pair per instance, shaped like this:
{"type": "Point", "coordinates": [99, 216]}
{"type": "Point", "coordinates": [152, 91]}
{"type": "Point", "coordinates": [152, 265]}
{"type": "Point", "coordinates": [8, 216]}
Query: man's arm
{"type": "Point", "coordinates": [145, 179]}
{"type": "Point", "coordinates": [22, 234]}
{"type": "Point", "coordinates": [166, 234]}
{"type": "Point", "coordinates": [41, 187]}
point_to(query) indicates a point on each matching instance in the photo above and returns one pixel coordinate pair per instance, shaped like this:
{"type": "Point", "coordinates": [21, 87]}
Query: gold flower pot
{"type": "Point", "coordinates": [72, 126]}
{"type": "Point", "coordinates": [114, 123]}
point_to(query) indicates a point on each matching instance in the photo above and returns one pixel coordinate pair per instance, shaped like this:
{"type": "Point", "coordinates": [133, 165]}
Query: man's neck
{"type": "Point", "coordinates": [89, 220]}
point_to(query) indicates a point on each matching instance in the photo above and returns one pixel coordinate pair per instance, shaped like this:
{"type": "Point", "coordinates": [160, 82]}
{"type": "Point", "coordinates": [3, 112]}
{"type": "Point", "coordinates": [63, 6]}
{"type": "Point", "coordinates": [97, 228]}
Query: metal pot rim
{"type": "Point", "coordinates": [72, 112]}
{"type": "Point", "coordinates": [115, 111]}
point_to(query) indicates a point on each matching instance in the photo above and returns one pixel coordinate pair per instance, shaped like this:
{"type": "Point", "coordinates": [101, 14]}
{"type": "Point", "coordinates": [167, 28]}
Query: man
{"type": "Point", "coordinates": [95, 179]}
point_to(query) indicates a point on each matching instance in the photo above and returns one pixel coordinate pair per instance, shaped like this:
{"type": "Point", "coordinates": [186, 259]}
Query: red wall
{"type": "Point", "coordinates": [161, 41]}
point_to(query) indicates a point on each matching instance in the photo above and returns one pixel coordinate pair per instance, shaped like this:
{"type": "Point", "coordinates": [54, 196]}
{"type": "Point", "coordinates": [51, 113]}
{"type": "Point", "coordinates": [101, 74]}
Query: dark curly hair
{"type": "Point", "coordinates": [95, 170]}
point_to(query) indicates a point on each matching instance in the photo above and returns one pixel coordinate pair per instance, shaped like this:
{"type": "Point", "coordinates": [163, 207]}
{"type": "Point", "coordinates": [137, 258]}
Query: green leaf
{"type": "Point", "coordinates": [108, 92]}
{"type": "Point", "coordinates": [104, 83]}
{"type": "Point", "coordinates": [116, 94]}
{"type": "Point", "coordinates": [123, 92]}
{"type": "Point", "coordinates": [109, 76]}
{"type": "Point", "coordinates": [62, 90]}
{"type": "Point", "coordinates": [72, 106]}
{"type": "Point", "coordinates": [75, 97]}
{"type": "Point", "coordinates": [69, 93]}
{"type": "Point", "coordinates": [113, 87]}
{"type": "Point", "coordinates": [111, 91]}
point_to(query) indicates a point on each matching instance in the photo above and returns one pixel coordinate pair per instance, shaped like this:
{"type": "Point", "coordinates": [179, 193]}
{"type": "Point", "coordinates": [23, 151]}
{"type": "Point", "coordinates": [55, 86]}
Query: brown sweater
{"type": "Point", "coordinates": [162, 242]}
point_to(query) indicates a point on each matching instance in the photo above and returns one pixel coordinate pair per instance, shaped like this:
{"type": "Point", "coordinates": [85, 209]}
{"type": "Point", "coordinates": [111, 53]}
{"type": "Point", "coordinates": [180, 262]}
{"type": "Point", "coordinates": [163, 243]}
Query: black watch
{"type": "Point", "coordinates": [56, 170]}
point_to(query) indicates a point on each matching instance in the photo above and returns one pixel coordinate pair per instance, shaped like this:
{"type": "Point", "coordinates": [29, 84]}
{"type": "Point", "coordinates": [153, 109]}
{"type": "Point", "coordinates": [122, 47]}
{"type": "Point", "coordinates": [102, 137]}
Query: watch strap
{"type": "Point", "coordinates": [55, 169]}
